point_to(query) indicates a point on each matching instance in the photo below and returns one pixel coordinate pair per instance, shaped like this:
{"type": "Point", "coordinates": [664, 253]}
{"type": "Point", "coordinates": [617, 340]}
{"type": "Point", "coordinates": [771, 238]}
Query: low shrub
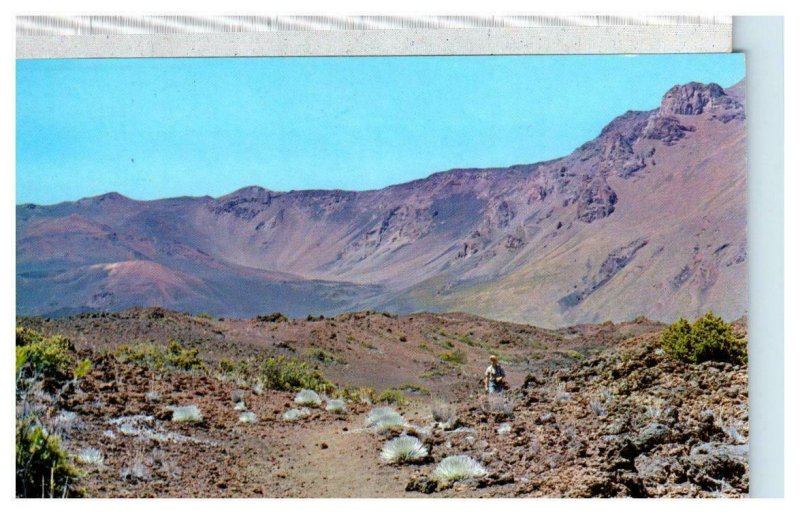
{"type": "Point", "coordinates": [26, 336]}
{"type": "Point", "coordinates": [709, 338]}
{"type": "Point", "coordinates": [227, 366]}
{"type": "Point", "coordinates": [173, 356]}
{"type": "Point", "coordinates": [183, 358]}
{"type": "Point", "coordinates": [404, 449]}
{"type": "Point", "coordinates": [368, 345]}
{"type": "Point", "coordinates": [453, 357]}
{"type": "Point", "coordinates": [43, 467]}
{"type": "Point", "coordinates": [51, 357]}
{"type": "Point", "coordinates": [83, 368]}
{"type": "Point", "coordinates": [413, 388]}
{"type": "Point", "coordinates": [457, 467]}
{"type": "Point", "coordinates": [393, 396]}
{"type": "Point", "coordinates": [434, 371]}
{"type": "Point", "coordinates": [324, 357]}
{"type": "Point", "coordinates": [275, 317]}
{"type": "Point", "coordinates": [365, 395]}
{"type": "Point", "coordinates": [285, 374]}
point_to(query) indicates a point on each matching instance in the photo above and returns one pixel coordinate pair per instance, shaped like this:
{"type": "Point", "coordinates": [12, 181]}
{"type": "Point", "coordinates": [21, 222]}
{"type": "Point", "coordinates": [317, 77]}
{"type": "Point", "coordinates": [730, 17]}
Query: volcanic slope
{"type": "Point", "coordinates": [649, 218]}
{"type": "Point", "coordinates": [593, 410]}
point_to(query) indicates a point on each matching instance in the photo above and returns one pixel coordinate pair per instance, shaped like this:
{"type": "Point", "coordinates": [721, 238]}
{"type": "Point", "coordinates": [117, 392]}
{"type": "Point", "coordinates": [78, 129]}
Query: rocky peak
{"type": "Point", "coordinates": [107, 199]}
{"type": "Point", "coordinates": [693, 98]}
{"type": "Point", "coordinates": [249, 193]}
{"type": "Point", "coordinates": [628, 126]}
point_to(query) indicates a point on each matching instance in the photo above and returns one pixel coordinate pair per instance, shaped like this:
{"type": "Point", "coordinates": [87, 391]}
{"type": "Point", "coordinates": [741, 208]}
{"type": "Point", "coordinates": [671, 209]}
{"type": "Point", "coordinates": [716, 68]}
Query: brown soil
{"type": "Point", "coordinates": [553, 443]}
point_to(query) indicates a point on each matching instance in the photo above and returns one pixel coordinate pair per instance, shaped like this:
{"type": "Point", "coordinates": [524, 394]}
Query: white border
{"type": "Point", "coordinates": [147, 36]}
{"type": "Point", "coordinates": [411, 7]}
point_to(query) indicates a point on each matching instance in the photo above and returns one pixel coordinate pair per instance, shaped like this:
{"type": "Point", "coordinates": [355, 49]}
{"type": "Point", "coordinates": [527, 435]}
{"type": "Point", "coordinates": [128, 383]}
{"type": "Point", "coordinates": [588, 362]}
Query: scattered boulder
{"type": "Point", "coordinates": [719, 460]}
{"type": "Point", "coordinates": [650, 436]}
{"type": "Point", "coordinates": [422, 484]}
{"type": "Point", "coordinates": [238, 395]}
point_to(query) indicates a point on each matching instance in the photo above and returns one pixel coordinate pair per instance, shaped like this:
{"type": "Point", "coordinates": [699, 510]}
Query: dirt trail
{"type": "Point", "coordinates": [340, 459]}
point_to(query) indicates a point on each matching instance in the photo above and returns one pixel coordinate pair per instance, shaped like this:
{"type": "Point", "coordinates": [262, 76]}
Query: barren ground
{"type": "Point", "coordinates": [666, 429]}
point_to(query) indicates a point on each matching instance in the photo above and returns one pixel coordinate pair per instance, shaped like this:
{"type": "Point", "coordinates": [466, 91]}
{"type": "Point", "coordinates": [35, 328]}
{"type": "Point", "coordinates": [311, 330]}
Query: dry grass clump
{"type": "Point", "coordinates": [598, 408]}
{"type": "Point", "coordinates": [445, 415]}
{"type": "Point", "coordinates": [498, 405]}
{"type": "Point", "coordinates": [135, 472]}
{"type": "Point", "coordinates": [560, 393]}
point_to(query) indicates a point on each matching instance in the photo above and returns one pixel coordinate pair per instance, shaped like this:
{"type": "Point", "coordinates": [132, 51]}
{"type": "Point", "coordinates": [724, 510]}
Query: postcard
{"type": "Point", "coordinates": [399, 276]}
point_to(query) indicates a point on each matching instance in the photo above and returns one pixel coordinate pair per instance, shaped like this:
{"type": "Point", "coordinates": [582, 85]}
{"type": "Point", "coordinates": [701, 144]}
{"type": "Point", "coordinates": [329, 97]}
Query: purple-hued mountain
{"type": "Point", "coordinates": [649, 218]}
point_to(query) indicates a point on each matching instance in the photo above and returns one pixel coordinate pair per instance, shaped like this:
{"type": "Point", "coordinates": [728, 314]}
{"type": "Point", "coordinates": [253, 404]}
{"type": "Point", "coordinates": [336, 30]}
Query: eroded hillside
{"type": "Point", "coordinates": [647, 219]}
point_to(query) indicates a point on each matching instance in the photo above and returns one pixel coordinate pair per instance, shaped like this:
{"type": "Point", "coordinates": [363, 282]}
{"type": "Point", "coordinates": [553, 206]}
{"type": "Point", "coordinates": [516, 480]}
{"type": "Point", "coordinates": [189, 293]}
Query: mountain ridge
{"type": "Point", "coordinates": [491, 241]}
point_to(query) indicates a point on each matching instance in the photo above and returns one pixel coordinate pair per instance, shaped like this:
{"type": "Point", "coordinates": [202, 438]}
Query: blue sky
{"type": "Point", "coordinates": [154, 128]}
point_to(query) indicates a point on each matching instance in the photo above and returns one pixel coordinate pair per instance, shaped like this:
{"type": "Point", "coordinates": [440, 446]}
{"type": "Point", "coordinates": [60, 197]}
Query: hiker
{"type": "Point", "coordinates": [494, 380]}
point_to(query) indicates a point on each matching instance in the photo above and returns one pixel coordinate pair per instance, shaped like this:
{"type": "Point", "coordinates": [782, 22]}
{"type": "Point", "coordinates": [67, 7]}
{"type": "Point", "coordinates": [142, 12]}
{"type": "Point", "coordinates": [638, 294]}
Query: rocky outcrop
{"type": "Point", "coordinates": [620, 159]}
{"type": "Point", "coordinates": [616, 260]}
{"type": "Point", "coordinates": [695, 98]}
{"type": "Point", "coordinates": [629, 422]}
{"type": "Point", "coordinates": [666, 129]}
{"type": "Point", "coordinates": [596, 201]}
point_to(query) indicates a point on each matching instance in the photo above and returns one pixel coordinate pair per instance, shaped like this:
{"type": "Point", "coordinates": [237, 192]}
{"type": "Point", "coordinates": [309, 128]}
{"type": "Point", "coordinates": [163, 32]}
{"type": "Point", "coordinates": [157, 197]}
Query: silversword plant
{"type": "Point", "coordinates": [404, 449]}
{"type": "Point", "coordinates": [307, 397]}
{"type": "Point", "coordinates": [458, 467]}
{"type": "Point", "coordinates": [187, 414]}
